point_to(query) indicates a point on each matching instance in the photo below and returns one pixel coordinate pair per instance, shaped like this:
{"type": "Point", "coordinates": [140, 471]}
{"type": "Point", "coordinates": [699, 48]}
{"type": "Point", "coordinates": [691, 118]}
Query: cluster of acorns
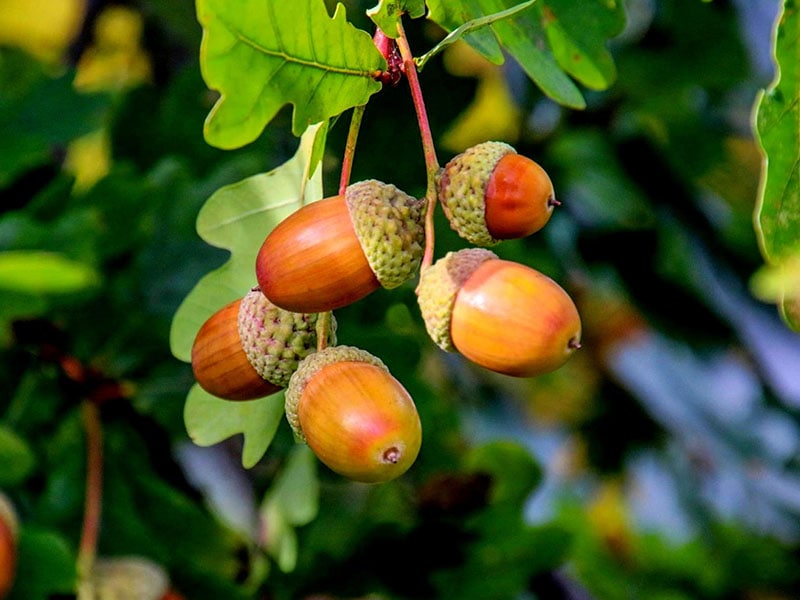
{"type": "Point", "coordinates": [356, 417]}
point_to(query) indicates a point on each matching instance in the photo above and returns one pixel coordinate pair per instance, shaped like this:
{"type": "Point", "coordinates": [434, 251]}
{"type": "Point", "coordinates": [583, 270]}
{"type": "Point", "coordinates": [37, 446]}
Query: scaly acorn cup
{"type": "Point", "coordinates": [499, 314]}
{"type": "Point", "coordinates": [330, 253]}
{"type": "Point", "coordinates": [250, 348]}
{"type": "Point", "coordinates": [490, 193]}
{"type": "Point", "coordinates": [358, 419]}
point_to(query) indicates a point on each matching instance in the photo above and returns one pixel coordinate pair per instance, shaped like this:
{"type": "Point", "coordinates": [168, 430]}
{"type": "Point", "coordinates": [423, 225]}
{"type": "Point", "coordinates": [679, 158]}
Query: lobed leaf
{"type": "Point", "coordinates": [551, 41]}
{"type": "Point", "coordinates": [209, 420]}
{"type": "Point", "coordinates": [468, 27]}
{"type": "Point", "coordinates": [263, 55]}
{"type": "Point", "coordinates": [778, 130]}
{"type": "Point", "coordinates": [237, 218]}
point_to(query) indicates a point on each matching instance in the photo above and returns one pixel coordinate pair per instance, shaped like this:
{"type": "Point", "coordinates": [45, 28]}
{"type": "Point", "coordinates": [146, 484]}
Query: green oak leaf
{"type": "Point", "coordinates": [16, 456]}
{"type": "Point", "coordinates": [778, 130]}
{"type": "Point", "coordinates": [468, 27]}
{"type": "Point", "coordinates": [386, 13]}
{"type": "Point", "coordinates": [451, 15]}
{"type": "Point", "coordinates": [209, 420]}
{"type": "Point", "coordinates": [261, 55]}
{"type": "Point", "coordinates": [237, 218]}
{"type": "Point", "coordinates": [552, 41]}
{"type": "Point", "coordinates": [45, 565]}
{"type": "Point", "coordinates": [577, 32]}
{"type": "Point", "coordinates": [292, 501]}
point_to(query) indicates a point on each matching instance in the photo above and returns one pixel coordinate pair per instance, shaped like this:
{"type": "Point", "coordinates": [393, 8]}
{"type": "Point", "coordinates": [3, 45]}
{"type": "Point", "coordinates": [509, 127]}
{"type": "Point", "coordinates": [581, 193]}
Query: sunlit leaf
{"type": "Point", "coordinates": [209, 420]}
{"type": "Point", "coordinates": [386, 13]}
{"type": "Point", "coordinates": [237, 218]}
{"type": "Point", "coordinates": [42, 272]}
{"type": "Point", "coordinates": [261, 56]}
{"type": "Point", "coordinates": [778, 123]}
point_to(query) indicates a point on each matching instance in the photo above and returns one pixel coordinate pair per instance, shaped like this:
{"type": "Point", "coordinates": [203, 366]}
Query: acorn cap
{"type": "Point", "coordinates": [389, 225]}
{"type": "Point", "coordinates": [438, 287]}
{"type": "Point", "coordinates": [276, 340]}
{"type": "Point", "coordinates": [462, 190]}
{"type": "Point", "coordinates": [312, 365]}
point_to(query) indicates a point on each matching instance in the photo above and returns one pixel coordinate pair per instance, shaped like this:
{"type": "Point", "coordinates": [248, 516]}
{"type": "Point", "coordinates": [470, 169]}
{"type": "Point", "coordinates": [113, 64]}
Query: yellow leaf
{"type": "Point", "coordinates": [115, 60]}
{"type": "Point", "coordinates": [608, 514]}
{"type": "Point", "coordinates": [43, 28]}
{"type": "Point", "coordinates": [88, 159]}
{"type": "Point", "coordinates": [493, 114]}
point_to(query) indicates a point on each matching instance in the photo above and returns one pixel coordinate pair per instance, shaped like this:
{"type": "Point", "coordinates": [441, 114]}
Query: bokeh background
{"type": "Point", "coordinates": [660, 463]}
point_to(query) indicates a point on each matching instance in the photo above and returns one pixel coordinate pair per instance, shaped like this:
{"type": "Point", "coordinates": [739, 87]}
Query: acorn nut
{"type": "Point", "coordinates": [490, 193]}
{"type": "Point", "coordinates": [499, 314]}
{"type": "Point", "coordinates": [330, 253]}
{"type": "Point", "coordinates": [250, 348]}
{"type": "Point", "coordinates": [356, 417]}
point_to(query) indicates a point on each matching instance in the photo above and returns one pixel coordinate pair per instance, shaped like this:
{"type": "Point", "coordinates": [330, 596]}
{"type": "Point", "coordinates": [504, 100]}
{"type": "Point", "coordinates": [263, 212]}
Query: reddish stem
{"type": "Point", "coordinates": [428, 147]}
{"type": "Point", "coordinates": [90, 414]}
{"type": "Point", "coordinates": [350, 147]}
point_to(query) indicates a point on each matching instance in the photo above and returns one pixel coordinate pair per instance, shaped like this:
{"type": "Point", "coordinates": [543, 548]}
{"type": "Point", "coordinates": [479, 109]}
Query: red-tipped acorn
{"type": "Point", "coordinates": [490, 193]}
{"type": "Point", "coordinates": [250, 348]}
{"type": "Point", "coordinates": [330, 253]}
{"type": "Point", "coordinates": [358, 419]}
{"type": "Point", "coordinates": [499, 314]}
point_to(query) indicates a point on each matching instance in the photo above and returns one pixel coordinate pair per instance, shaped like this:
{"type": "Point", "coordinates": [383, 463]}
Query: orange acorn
{"type": "Point", "coordinates": [499, 314]}
{"type": "Point", "coordinates": [358, 419]}
{"type": "Point", "coordinates": [250, 348]}
{"type": "Point", "coordinates": [490, 193]}
{"type": "Point", "coordinates": [330, 253]}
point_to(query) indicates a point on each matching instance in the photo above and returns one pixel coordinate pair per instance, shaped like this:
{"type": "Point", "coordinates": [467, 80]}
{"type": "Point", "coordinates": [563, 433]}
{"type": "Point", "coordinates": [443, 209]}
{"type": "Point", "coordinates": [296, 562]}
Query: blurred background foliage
{"type": "Point", "coordinates": [661, 462]}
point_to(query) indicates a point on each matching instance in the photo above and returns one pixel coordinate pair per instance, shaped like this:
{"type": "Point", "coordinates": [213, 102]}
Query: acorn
{"type": "Point", "coordinates": [356, 417]}
{"type": "Point", "coordinates": [9, 536]}
{"type": "Point", "coordinates": [330, 253]}
{"type": "Point", "coordinates": [490, 193]}
{"type": "Point", "coordinates": [250, 348]}
{"type": "Point", "coordinates": [499, 314]}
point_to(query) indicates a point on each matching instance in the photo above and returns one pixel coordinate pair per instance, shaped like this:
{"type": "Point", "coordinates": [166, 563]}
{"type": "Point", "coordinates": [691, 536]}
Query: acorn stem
{"type": "Point", "coordinates": [350, 147]}
{"type": "Point", "coordinates": [90, 414]}
{"type": "Point", "coordinates": [323, 329]}
{"type": "Point", "coordinates": [428, 147]}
